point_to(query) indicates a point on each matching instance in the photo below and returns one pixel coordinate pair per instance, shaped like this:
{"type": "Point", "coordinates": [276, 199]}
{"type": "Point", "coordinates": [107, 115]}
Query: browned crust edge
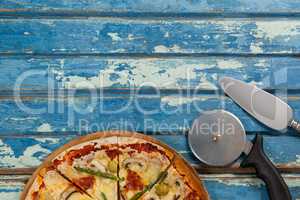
{"type": "Point", "coordinates": [181, 165]}
{"type": "Point", "coordinates": [168, 151]}
{"type": "Point", "coordinates": [190, 176]}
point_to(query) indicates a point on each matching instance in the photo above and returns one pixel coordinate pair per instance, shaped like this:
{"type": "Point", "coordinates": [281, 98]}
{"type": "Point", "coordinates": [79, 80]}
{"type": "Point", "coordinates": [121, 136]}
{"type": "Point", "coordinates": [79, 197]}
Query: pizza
{"type": "Point", "coordinates": [50, 185]}
{"type": "Point", "coordinates": [92, 167]}
{"type": "Point", "coordinates": [115, 166]}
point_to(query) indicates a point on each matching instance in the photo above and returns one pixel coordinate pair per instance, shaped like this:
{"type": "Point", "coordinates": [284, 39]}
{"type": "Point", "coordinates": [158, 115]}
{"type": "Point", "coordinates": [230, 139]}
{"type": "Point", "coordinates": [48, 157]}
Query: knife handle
{"type": "Point", "coordinates": [295, 125]}
{"type": "Point", "coordinates": [277, 188]}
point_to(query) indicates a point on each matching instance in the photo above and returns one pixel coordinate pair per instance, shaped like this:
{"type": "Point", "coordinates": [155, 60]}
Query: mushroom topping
{"type": "Point", "coordinates": [137, 164]}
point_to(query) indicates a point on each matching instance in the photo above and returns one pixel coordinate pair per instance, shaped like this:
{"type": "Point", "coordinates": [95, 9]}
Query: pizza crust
{"type": "Point", "coordinates": [131, 138]}
{"type": "Point", "coordinates": [190, 176]}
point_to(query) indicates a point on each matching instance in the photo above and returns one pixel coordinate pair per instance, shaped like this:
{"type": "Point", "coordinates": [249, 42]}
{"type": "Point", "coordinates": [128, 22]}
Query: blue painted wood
{"type": "Point", "coordinates": [110, 36]}
{"type": "Point", "coordinates": [152, 48]}
{"type": "Point", "coordinates": [163, 73]}
{"type": "Point", "coordinates": [144, 113]}
{"type": "Point", "coordinates": [11, 191]}
{"type": "Point", "coordinates": [164, 6]}
{"type": "Point", "coordinates": [24, 152]}
{"type": "Point", "coordinates": [244, 188]}
{"type": "Point", "coordinates": [219, 187]}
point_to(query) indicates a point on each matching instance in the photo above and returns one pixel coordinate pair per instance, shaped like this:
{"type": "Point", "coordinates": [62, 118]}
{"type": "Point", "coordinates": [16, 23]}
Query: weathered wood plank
{"type": "Point", "coordinates": [163, 73]}
{"type": "Point", "coordinates": [111, 36]}
{"type": "Point", "coordinates": [28, 152]}
{"type": "Point", "coordinates": [144, 113]}
{"type": "Point", "coordinates": [234, 187]}
{"type": "Point", "coordinates": [219, 187]}
{"type": "Point", "coordinates": [164, 6]}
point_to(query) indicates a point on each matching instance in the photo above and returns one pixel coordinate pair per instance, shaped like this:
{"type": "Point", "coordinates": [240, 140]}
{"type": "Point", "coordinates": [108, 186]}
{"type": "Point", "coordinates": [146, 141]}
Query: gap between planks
{"type": "Point", "coordinates": [150, 55]}
{"type": "Point", "coordinates": [61, 13]}
{"type": "Point", "coordinates": [200, 169]}
{"type": "Point", "coordinates": [125, 93]}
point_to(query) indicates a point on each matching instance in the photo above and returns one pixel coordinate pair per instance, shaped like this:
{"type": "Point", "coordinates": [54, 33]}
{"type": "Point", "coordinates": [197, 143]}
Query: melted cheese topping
{"type": "Point", "coordinates": [147, 164]}
{"type": "Point", "coordinates": [97, 161]}
{"type": "Point", "coordinates": [177, 188]}
{"type": "Point", "coordinates": [55, 186]}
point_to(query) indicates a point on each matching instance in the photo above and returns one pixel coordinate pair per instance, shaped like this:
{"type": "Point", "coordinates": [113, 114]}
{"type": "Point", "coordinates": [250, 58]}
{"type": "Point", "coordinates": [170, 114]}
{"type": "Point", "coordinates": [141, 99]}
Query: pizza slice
{"type": "Point", "coordinates": [178, 183]}
{"type": "Point", "coordinates": [93, 167]}
{"type": "Point", "coordinates": [141, 162]}
{"type": "Point", "coordinates": [50, 185]}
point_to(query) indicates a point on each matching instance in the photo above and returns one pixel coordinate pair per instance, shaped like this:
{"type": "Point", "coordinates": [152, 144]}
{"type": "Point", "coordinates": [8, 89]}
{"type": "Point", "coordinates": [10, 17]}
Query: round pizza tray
{"type": "Point", "coordinates": [182, 166]}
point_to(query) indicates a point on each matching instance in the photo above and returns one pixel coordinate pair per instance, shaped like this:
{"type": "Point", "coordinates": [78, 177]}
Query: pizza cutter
{"type": "Point", "coordinates": [218, 138]}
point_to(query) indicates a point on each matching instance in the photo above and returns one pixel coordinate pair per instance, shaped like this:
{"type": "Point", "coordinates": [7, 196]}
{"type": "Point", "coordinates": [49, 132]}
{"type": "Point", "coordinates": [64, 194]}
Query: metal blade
{"type": "Point", "coordinates": [217, 138]}
{"type": "Point", "coordinates": [265, 107]}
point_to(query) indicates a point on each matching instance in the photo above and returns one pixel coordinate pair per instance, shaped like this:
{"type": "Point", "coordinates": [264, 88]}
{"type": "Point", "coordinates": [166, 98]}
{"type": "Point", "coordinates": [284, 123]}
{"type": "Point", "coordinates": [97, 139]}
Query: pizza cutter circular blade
{"type": "Point", "coordinates": [218, 138]}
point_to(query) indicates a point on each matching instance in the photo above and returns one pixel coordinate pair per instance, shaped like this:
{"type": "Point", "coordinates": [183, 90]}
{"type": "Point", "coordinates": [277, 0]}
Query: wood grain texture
{"type": "Point", "coordinates": [139, 112]}
{"type": "Point", "coordinates": [111, 36]}
{"type": "Point", "coordinates": [219, 186]}
{"type": "Point", "coordinates": [201, 73]}
{"type": "Point", "coordinates": [29, 152]}
{"type": "Point", "coordinates": [161, 6]}
{"type": "Point", "coordinates": [180, 46]}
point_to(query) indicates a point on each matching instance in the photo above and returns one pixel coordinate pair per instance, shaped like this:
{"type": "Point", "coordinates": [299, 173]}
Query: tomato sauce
{"type": "Point", "coordinates": [34, 195]}
{"type": "Point", "coordinates": [112, 153]}
{"type": "Point", "coordinates": [73, 154]}
{"type": "Point", "coordinates": [85, 182]}
{"type": "Point", "coordinates": [133, 181]}
{"type": "Point", "coordinates": [146, 147]}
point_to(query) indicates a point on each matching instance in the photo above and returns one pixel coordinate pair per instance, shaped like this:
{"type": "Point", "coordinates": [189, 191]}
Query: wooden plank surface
{"type": "Point", "coordinates": [159, 6]}
{"type": "Point", "coordinates": [18, 153]}
{"type": "Point", "coordinates": [139, 112]}
{"type": "Point", "coordinates": [153, 36]}
{"type": "Point", "coordinates": [225, 187]}
{"type": "Point", "coordinates": [181, 47]}
{"type": "Point", "coordinates": [201, 73]}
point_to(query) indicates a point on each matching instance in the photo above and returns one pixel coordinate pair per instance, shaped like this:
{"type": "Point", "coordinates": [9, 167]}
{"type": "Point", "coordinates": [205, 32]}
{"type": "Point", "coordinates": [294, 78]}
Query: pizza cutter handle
{"type": "Point", "coordinates": [277, 188]}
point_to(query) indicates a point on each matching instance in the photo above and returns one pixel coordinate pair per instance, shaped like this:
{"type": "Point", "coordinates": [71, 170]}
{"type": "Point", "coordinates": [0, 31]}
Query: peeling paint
{"type": "Point", "coordinates": [204, 83]}
{"type": "Point", "coordinates": [22, 119]}
{"type": "Point", "coordinates": [273, 29]}
{"type": "Point", "coordinates": [114, 36]}
{"type": "Point", "coordinates": [256, 47]}
{"type": "Point", "coordinates": [246, 180]}
{"type": "Point", "coordinates": [28, 157]}
{"type": "Point", "coordinates": [229, 64]}
{"type": "Point", "coordinates": [158, 73]}
{"type": "Point", "coordinates": [135, 74]}
{"type": "Point", "coordinates": [10, 195]}
{"type": "Point", "coordinates": [131, 37]}
{"type": "Point", "coordinates": [235, 180]}
{"type": "Point", "coordinates": [44, 128]}
{"type": "Point", "coordinates": [262, 63]}
{"type": "Point", "coordinates": [163, 49]}
{"type": "Point", "coordinates": [178, 101]}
